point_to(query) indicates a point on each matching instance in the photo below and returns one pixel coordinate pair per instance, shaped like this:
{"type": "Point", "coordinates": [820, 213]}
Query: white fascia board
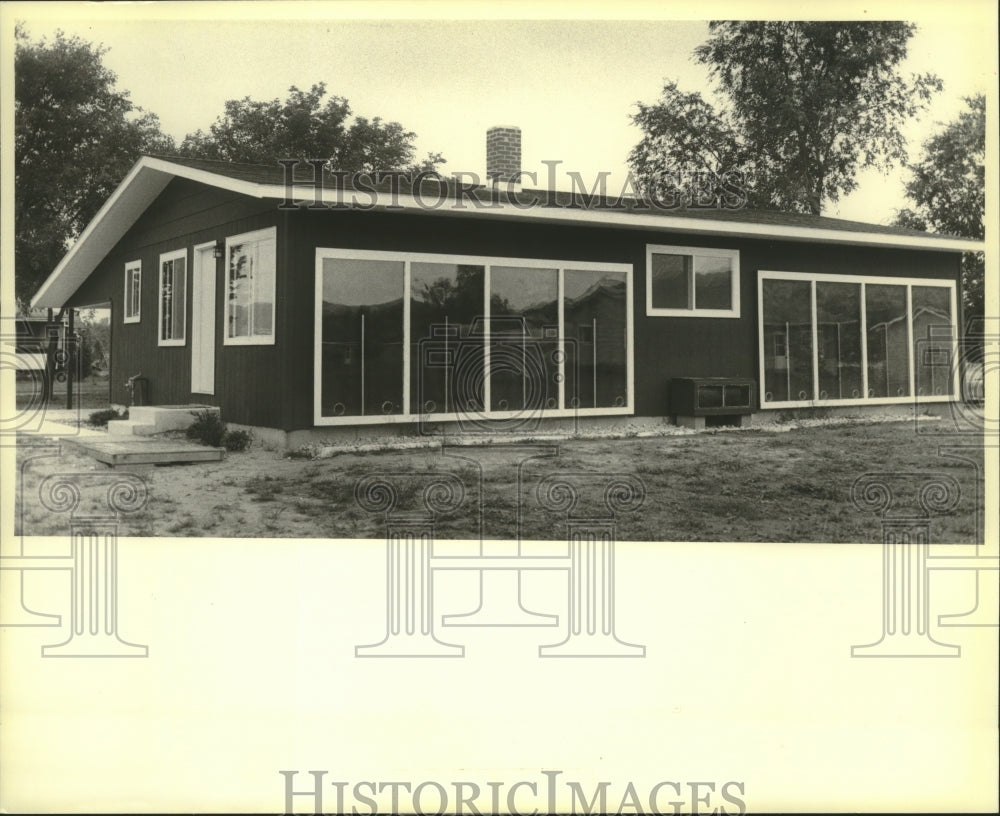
{"type": "Point", "coordinates": [129, 200]}
{"type": "Point", "coordinates": [666, 223]}
{"type": "Point", "coordinates": [144, 182]}
{"type": "Point", "coordinates": [249, 188]}
{"type": "Point", "coordinates": [149, 176]}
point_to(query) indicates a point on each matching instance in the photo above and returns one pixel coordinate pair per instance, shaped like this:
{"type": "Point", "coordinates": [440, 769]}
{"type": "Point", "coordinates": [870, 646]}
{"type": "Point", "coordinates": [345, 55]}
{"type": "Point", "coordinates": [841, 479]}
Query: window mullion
{"type": "Point", "coordinates": [956, 384]}
{"type": "Point", "coordinates": [172, 300]}
{"type": "Point", "coordinates": [168, 285]}
{"type": "Point", "coordinates": [159, 301]}
{"type": "Point", "coordinates": [692, 276]}
{"type": "Point", "coordinates": [864, 342]}
{"type": "Point", "coordinates": [629, 341]}
{"type": "Point", "coordinates": [168, 303]}
{"type": "Point", "coordinates": [406, 338]}
{"type": "Point", "coordinates": [561, 319]}
{"type": "Point", "coordinates": [909, 339]}
{"type": "Point", "coordinates": [251, 263]}
{"type": "Point", "coordinates": [487, 391]}
{"type": "Point", "coordinates": [815, 340]}
{"type": "Point", "coordinates": [227, 309]}
{"type": "Point", "coordinates": [182, 314]}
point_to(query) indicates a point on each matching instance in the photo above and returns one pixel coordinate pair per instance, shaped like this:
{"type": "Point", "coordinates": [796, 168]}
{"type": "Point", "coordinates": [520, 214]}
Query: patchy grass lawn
{"type": "Point", "coordinates": [757, 485]}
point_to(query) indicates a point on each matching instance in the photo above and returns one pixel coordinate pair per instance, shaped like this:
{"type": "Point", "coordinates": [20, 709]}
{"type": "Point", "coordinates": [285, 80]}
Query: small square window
{"type": "Point", "coordinates": [133, 291]}
{"type": "Point", "coordinates": [692, 282]}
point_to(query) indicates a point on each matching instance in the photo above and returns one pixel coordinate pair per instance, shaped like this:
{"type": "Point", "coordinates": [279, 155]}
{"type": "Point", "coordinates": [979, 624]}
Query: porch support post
{"type": "Point", "coordinates": [71, 358]}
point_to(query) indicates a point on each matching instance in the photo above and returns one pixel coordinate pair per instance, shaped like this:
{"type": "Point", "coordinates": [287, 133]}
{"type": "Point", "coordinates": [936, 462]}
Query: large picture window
{"type": "Point", "coordinates": [855, 339]}
{"type": "Point", "coordinates": [250, 288]}
{"type": "Point", "coordinates": [403, 336]}
{"type": "Point", "coordinates": [692, 282]}
{"type": "Point", "coordinates": [173, 298]}
{"type": "Point", "coordinates": [595, 312]}
{"type": "Point", "coordinates": [787, 317]}
{"type": "Point", "coordinates": [446, 340]}
{"type": "Point", "coordinates": [133, 291]}
{"type": "Point", "coordinates": [524, 338]}
{"type": "Point", "coordinates": [362, 337]}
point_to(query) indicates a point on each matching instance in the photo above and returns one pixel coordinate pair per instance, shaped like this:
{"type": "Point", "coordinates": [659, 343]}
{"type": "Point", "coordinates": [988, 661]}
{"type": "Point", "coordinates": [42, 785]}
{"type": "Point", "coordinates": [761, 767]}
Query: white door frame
{"type": "Point", "coordinates": [203, 320]}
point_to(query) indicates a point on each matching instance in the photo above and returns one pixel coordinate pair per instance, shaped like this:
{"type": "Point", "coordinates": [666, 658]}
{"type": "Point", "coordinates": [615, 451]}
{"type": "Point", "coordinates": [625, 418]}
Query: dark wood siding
{"type": "Point", "coordinates": [247, 378]}
{"type": "Point", "coordinates": [273, 385]}
{"type": "Point", "coordinates": [665, 347]}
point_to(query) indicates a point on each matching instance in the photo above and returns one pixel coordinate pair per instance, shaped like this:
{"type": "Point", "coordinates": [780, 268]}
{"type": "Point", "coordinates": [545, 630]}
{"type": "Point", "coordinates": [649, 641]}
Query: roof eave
{"type": "Point", "coordinates": [149, 176]}
{"type": "Point", "coordinates": [664, 223]}
{"type": "Point", "coordinates": [144, 182]}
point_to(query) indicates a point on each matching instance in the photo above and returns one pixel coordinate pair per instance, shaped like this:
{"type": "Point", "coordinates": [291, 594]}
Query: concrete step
{"type": "Point", "coordinates": [152, 419]}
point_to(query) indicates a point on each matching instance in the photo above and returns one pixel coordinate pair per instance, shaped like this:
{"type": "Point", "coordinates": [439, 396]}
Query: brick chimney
{"type": "Point", "coordinates": [503, 153]}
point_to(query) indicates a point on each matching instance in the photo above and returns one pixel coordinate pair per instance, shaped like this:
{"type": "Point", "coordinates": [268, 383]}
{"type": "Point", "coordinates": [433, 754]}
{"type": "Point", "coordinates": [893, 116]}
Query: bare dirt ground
{"type": "Point", "coordinates": [748, 485]}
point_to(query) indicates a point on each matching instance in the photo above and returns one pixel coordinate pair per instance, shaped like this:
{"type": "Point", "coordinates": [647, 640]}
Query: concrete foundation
{"type": "Point", "coordinates": [416, 434]}
{"type": "Point", "coordinates": [700, 423]}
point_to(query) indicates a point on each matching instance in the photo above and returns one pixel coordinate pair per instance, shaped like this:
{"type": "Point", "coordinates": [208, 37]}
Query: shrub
{"type": "Point", "coordinates": [207, 428]}
{"type": "Point", "coordinates": [100, 419]}
{"type": "Point", "coordinates": [237, 440]}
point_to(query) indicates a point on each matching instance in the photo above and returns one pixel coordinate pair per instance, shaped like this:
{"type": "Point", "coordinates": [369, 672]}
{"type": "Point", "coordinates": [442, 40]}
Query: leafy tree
{"type": "Point", "coordinates": [805, 107]}
{"type": "Point", "coordinates": [304, 126]}
{"type": "Point", "coordinates": [464, 295]}
{"type": "Point", "coordinates": [947, 187]}
{"type": "Point", "coordinates": [95, 340]}
{"type": "Point", "coordinates": [75, 137]}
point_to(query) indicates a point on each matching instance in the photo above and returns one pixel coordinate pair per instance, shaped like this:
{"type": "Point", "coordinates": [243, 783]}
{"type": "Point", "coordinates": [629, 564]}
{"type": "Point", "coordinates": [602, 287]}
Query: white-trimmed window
{"type": "Point", "coordinates": [250, 278]}
{"type": "Point", "coordinates": [133, 291]}
{"type": "Point", "coordinates": [692, 281]}
{"type": "Point", "coordinates": [172, 298]}
{"type": "Point", "coordinates": [854, 339]}
{"type": "Point", "coordinates": [408, 336]}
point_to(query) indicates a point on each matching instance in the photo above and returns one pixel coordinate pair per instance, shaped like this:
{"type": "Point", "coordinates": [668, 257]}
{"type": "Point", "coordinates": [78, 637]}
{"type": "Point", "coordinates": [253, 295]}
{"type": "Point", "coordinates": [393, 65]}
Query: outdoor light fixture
{"type": "Point", "coordinates": [219, 250]}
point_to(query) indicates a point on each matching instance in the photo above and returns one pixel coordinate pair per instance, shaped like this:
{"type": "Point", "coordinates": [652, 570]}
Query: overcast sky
{"type": "Point", "coordinates": [570, 85]}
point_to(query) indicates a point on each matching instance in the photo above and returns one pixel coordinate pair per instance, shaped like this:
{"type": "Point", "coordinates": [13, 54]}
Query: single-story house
{"type": "Point", "coordinates": [301, 305]}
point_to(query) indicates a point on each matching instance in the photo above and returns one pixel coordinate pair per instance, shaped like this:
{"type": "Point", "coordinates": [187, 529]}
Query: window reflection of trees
{"type": "Point", "coordinates": [363, 314]}
{"type": "Point", "coordinates": [447, 342]}
{"type": "Point", "coordinates": [841, 361]}
{"type": "Point", "coordinates": [362, 338]}
{"type": "Point", "coordinates": [595, 315]}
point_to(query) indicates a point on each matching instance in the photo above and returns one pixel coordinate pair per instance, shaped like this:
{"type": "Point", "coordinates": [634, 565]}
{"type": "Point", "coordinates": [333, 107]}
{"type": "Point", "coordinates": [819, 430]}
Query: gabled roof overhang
{"type": "Point", "coordinates": [150, 175]}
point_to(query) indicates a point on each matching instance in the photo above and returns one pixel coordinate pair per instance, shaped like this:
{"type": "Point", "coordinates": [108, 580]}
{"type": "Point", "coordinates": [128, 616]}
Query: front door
{"type": "Point", "coordinates": [203, 322]}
